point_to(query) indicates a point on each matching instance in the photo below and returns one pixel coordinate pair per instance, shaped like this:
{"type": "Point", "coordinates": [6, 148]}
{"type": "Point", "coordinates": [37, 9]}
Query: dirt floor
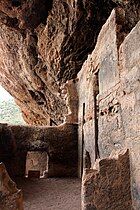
{"type": "Point", "coordinates": [51, 194]}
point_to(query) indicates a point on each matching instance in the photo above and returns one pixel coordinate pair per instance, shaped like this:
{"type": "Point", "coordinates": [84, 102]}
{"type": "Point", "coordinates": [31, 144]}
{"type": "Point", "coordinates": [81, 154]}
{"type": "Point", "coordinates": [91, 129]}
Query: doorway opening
{"type": "Point", "coordinates": [36, 164]}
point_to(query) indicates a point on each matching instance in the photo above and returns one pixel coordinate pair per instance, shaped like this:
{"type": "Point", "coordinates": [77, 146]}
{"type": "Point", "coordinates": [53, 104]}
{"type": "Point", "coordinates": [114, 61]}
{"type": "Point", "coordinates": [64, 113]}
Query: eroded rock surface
{"type": "Point", "coordinates": [108, 187]}
{"type": "Point", "coordinates": [10, 197]}
{"type": "Point", "coordinates": [44, 44]}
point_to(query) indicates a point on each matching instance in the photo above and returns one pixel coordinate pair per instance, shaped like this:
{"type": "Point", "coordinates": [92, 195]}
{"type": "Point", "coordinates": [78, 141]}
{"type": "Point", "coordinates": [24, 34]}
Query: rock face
{"type": "Point", "coordinates": [42, 45]}
{"type": "Point", "coordinates": [110, 184]}
{"type": "Point", "coordinates": [10, 197]}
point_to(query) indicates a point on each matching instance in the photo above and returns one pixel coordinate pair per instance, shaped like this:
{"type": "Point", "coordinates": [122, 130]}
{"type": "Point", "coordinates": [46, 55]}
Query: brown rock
{"type": "Point", "coordinates": [108, 92]}
{"type": "Point", "coordinates": [10, 197]}
{"type": "Point", "coordinates": [45, 44]}
{"type": "Point", "coordinates": [109, 187]}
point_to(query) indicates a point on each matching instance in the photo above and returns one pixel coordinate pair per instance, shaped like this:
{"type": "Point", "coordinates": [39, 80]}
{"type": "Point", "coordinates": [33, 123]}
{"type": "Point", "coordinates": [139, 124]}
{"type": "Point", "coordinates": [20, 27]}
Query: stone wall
{"type": "Point", "coordinates": [129, 70]}
{"type": "Point", "coordinates": [60, 143]}
{"type": "Point", "coordinates": [109, 88]}
{"type": "Point", "coordinates": [94, 80]}
{"type": "Point", "coordinates": [110, 183]}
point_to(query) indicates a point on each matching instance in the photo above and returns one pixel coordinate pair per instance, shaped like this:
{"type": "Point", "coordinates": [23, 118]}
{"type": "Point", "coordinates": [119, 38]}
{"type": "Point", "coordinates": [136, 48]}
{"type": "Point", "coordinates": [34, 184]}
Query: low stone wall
{"type": "Point", "coordinates": [59, 142]}
{"type": "Point", "coordinates": [107, 187]}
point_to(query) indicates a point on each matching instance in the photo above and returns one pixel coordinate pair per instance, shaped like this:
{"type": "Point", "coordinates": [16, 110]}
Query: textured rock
{"type": "Point", "coordinates": [111, 73]}
{"type": "Point", "coordinates": [130, 104]}
{"type": "Point", "coordinates": [10, 197]}
{"type": "Point", "coordinates": [95, 77]}
{"type": "Point", "coordinates": [42, 45]}
{"type": "Point", "coordinates": [60, 143]}
{"type": "Point", "coordinates": [108, 187]}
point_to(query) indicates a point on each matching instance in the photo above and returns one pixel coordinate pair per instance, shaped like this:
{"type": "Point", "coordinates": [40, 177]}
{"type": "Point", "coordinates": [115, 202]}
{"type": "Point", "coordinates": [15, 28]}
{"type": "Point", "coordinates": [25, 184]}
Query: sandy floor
{"type": "Point", "coordinates": [51, 194]}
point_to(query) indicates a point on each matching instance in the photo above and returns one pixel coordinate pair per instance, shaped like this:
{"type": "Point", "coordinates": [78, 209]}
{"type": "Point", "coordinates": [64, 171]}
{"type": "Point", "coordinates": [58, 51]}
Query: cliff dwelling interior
{"type": "Point", "coordinates": [73, 69]}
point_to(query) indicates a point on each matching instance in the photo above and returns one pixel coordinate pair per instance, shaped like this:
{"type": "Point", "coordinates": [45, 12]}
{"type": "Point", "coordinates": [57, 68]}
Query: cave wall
{"type": "Point", "coordinates": [60, 143]}
{"type": "Point", "coordinates": [109, 86]}
{"type": "Point", "coordinates": [42, 45]}
{"type": "Point", "coordinates": [38, 50]}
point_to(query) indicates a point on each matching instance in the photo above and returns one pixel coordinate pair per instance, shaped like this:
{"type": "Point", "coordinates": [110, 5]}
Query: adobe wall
{"type": "Point", "coordinates": [115, 70]}
{"type": "Point", "coordinates": [60, 143]}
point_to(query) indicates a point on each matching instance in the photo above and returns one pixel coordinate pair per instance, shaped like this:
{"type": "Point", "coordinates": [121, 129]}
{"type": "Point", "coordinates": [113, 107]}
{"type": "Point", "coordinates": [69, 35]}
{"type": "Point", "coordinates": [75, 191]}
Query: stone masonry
{"type": "Point", "coordinates": [108, 87]}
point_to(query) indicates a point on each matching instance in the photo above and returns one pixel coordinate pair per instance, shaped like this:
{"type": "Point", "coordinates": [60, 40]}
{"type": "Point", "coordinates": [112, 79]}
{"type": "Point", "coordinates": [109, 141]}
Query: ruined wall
{"type": "Point", "coordinates": [107, 186]}
{"type": "Point", "coordinates": [60, 143]}
{"type": "Point", "coordinates": [129, 70]}
{"type": "Point", "coordinates": [115, 68]}
{"type": "Point", "coordinates": [94, 78]}
{"type": "Point", "coordinates": [119, 116]}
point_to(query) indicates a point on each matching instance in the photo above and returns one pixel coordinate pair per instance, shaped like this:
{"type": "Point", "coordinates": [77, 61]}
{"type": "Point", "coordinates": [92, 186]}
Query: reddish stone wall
{"type": "Point", "coordinates": [108, 187]}
{"type": "Point", "coordinates": [97, 69]}
{"type": "Point", "coordinates": [119, 112]}
{"type": "Point", "coordinates": [129, 70]}
{"type": "Point", "coordinates": [116, 105]}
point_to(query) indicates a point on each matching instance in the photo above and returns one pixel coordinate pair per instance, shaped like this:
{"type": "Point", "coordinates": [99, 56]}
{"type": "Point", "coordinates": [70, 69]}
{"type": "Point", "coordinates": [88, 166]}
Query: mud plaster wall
{"type": "Point", "coordinates": [118, 71]}
{"type": "Point", "coordinates": [60, 143]}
